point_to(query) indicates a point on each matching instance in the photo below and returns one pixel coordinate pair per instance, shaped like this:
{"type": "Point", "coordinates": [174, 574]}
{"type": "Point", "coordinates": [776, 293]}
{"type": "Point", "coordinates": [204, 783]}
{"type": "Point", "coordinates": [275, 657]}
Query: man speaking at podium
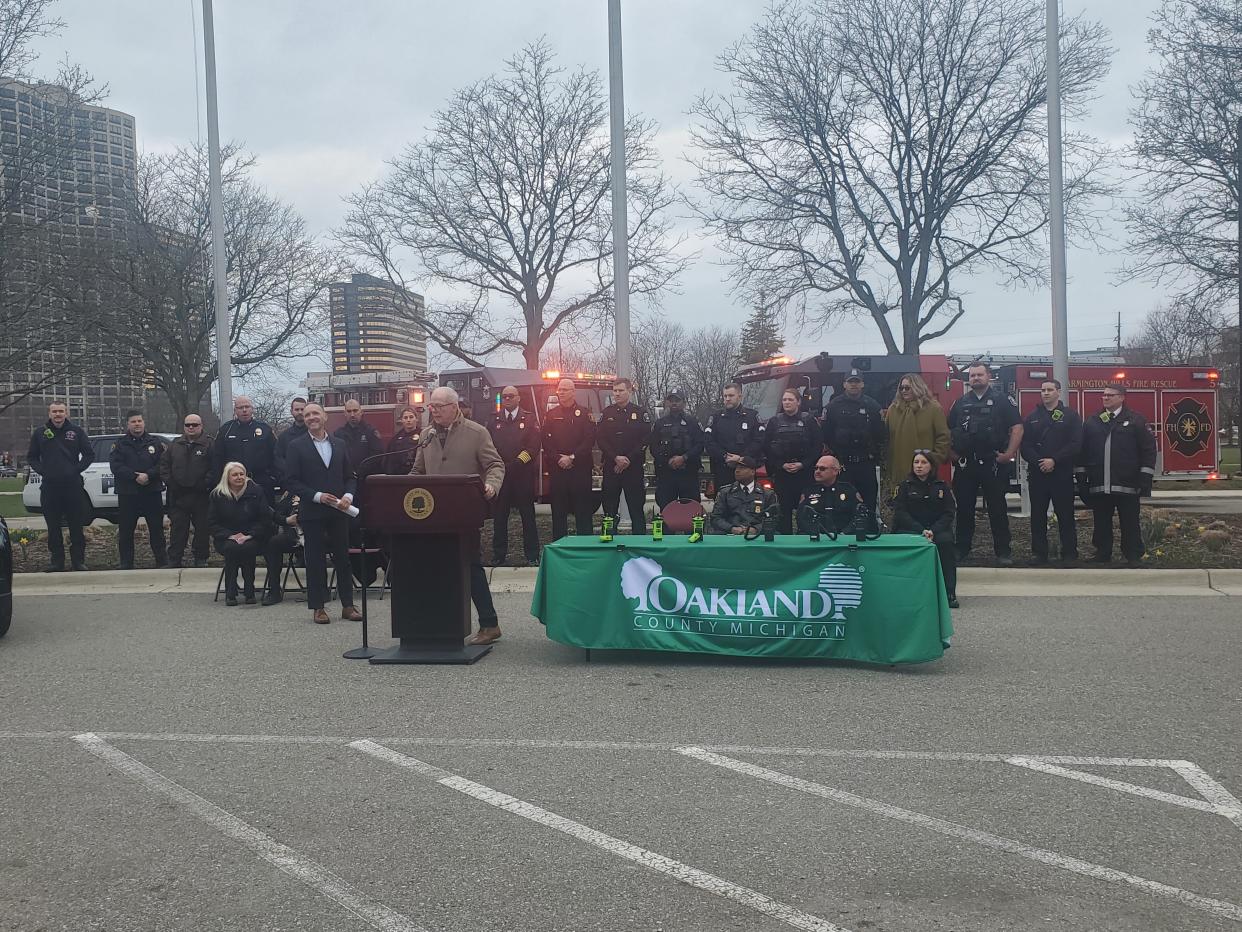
{"type": "Point", "coordinates": [457, 446]}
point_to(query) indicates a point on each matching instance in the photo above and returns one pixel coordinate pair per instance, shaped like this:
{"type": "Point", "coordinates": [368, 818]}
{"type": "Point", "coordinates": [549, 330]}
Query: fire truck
{"type": "Point", "coordinates": [383, 396]}
{"type": "Point", "coordinates": [1179, 402]}
{"type": "Point", "coordinates": [480, 388]}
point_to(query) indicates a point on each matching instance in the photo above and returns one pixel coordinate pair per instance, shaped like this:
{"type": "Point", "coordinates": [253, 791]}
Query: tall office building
{"type": "Point", "coordinates": [371, 328]}
{"type": "Point", "coordinates": [67, 173]}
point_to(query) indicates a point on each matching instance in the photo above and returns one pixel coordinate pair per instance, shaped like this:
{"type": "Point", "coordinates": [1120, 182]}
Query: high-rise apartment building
{"type": "Point", "coordinates": [371, 328]}
{"type": "Point", "coordinates": [68, 172]}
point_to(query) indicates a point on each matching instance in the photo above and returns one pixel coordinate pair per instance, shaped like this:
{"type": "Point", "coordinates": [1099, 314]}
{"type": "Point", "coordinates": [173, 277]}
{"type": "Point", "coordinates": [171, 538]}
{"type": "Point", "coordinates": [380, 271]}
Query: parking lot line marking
{"type": "Point", "coordinates": [954, 830]}
{"type": "Point", "coordinates": [1209, 789]}
{"type": "Point", "coordinates": [1123, 787]}
{"type": "Point", "coordinates": [298, 866]}
{"type": "Point", "coordinates": [691, 876]}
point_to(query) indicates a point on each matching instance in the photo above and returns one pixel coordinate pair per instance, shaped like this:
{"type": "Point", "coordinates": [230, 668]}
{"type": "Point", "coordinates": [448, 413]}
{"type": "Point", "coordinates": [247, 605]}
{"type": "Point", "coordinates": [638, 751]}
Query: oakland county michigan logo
{"type": "Point", "coordinates": [1188, 427]}
{"type": "Point", "coordinates": [666, 603]}
{"type": "Point", "coordinates": [419, 504]}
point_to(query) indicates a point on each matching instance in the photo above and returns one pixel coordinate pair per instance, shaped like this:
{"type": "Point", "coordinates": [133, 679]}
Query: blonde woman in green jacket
{"type": "Point", "coordinates": [915, 422]}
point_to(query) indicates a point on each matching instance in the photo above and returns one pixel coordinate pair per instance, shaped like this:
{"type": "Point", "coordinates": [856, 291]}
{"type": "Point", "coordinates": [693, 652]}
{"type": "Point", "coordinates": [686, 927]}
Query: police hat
{"type": "Point", "coordinates": [673, 395]}
{"type": "Point", "coordinates": [745, 462]}
{"type": "Point", "coordinates": [854, 376]}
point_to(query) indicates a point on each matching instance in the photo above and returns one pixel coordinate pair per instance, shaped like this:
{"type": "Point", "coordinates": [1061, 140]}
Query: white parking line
{"type": "Point", "coordinates": [1209, 789]}
{"type": "Point", "coordinates": [684, 873]}
{"type": "Point", "coordinates": [302, 868]}
{"type": "Point", "coordinates": [1122, 787]}
{"type": "Point", "coordinates": [953, 830]}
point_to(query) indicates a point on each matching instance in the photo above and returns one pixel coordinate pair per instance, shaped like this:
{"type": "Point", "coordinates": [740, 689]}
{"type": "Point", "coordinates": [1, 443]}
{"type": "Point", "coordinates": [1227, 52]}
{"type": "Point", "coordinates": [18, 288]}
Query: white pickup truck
{"type": "Point", "coordinates": [97, 479]}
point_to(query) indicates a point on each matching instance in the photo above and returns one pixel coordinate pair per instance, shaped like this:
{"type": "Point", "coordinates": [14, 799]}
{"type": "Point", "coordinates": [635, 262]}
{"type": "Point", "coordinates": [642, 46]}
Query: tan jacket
{"type": "Point", "coordinates": [467, 450]}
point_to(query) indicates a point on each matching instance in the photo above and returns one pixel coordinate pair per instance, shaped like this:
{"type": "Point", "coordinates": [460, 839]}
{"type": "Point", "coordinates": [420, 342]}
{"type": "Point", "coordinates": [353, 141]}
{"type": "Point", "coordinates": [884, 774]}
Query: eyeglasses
{"type": "Point", "coordinates": [437, 405]}
{"type": "Point", "coordinates": [924, 452]}
{"type": "Point", "coordinates": [907, 388]}
{"type": "Point", "coordinates": [193, 424]}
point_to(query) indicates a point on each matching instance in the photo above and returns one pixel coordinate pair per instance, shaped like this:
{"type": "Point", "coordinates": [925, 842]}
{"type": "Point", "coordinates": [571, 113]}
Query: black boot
{"type": "Point", "coordinates": [248, 584]}
{"type": "Point", "coordinates": [273, 595]}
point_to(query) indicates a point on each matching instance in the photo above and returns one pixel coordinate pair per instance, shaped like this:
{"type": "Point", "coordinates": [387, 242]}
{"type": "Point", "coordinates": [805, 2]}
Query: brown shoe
{"type": "Point", "coordinates": [485, 636]}
{"type": "Point", "coordinates": [349, 613]}
{"type": "Point", "coordinates": [321, 617]}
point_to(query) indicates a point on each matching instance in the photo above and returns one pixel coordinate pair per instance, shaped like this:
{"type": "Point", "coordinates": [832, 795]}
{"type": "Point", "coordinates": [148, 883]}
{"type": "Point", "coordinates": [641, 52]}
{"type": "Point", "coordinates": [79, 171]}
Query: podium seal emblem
{"type": "Point", "coordinates": [419, 504]}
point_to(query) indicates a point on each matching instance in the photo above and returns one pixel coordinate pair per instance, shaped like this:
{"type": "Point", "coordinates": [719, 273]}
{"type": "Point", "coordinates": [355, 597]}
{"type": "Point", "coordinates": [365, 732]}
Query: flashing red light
{"type": "Point", "coordinates": [1213, 475]}
{"type": "Point", "coordinates": [1213, 374]}
{"type": "Point", "coordinates": [1119, 375]}
{"type": "Point", "coordinates": [416, 398]}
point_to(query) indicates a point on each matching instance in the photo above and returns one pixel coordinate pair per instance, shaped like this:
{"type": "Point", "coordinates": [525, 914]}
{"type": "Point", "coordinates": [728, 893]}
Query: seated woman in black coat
{"type": "Point", "coordinates": [241, 523]}
{"type": "Point", "coordinates": [924, 505]}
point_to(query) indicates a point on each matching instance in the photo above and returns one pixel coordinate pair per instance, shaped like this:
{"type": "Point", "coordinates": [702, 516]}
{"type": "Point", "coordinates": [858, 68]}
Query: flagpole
{"type": "Point", "coordinates": [224, 362]}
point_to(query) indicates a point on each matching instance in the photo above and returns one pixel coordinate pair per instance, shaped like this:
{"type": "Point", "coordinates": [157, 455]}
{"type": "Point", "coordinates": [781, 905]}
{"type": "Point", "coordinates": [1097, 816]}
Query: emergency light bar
{"type": "Point", "coordinates": [1211, 375]}
{"type": "Point", "coordinates": [580, 376]}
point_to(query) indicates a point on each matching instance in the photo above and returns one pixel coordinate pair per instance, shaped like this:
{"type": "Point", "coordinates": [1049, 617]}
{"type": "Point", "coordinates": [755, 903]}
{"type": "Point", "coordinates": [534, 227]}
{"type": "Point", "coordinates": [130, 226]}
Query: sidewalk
{"type": "Point", "coordinates": [972, 581]}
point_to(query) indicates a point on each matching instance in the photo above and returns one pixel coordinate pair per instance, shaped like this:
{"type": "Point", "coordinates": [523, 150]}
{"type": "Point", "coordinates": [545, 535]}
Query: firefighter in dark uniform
{"type": "Point", "coordinates": [622, 435]}
{"type": "Point", "coordinates": [59, 451]}
{"type": "Point", "coordinates": [677, 451]}
{"type": "Point", "coordinates": [289, 434]}
{"type": "Point", "coordinates": [986, 432]}
{"type": "Point", "coordinates": [855, 433]}
{"type": "Point", "coordinates": [135, 462]}
{"type": "Point", "coordinates": [568, 442]}
{"type": "Point", "coordinates": [924, 505]}
{"type": "Point", "coordinates": [732, 433]}
{"type": "Point", "coordinates": [1051, 439]}
{"type": "Point", "coordinates": [831, 496]}
{"type": "Point", "coordinates": [248, 441]}
{"type": "Point", "coordinates": [403, 444]}
{"type": "Point", "coordinates": [1116, 466]}
{"type": "Point", "coordinates": [516, 436]}
{"type": "Point", "coordinates": [743, 505]}
{"type": "Point", "coordinates": [792, 444]}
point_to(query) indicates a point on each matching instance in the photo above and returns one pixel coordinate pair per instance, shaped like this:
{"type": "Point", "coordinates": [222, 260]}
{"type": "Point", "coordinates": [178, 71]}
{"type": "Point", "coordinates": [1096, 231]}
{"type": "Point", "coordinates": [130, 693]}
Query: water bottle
{"type": "Point", "coordinates": [605, 534]}
{"type": "Point", "coordinates": [696, 529]}
{"type": "Point", "coordinates": [657, 528]}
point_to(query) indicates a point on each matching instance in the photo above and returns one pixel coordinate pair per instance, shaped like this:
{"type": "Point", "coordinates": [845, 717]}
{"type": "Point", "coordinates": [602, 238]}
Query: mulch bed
{"type": "Point", "coordinates": [1173, 542]}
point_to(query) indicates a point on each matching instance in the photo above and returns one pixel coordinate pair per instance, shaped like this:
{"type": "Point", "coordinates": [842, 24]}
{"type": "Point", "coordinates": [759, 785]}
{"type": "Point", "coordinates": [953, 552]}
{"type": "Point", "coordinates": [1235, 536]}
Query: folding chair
{"type": "Point", "coordinates": [679, 515]}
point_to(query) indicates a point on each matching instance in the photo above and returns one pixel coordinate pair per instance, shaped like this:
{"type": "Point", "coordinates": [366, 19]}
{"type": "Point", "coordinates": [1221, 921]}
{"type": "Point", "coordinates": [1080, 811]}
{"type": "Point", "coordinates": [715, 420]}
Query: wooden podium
{"type": "Point", "coordinates": [432, 523]}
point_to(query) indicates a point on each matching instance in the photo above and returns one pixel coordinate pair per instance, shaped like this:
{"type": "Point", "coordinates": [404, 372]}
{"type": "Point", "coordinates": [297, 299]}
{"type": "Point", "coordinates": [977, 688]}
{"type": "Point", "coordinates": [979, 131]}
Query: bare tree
{"type": "Point", "coordinates": [712, 360]}
{"type": "Point", "coordinates": [875, 151]}
{"type": "Point", "coordinates": [1186, 125]}
{"type": "Point", "coordinates": [658, 352]}
{"type": "Point", "coordinates": [508, 200]}
{"type": "Point", "coordinates": [278, 276]}
{"type": "Point", "coordinates": [39, 343]}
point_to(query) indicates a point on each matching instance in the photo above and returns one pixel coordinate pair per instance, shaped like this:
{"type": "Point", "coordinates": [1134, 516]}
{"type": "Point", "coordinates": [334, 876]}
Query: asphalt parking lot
{"type": "Point", "coordinates": [166, 763]}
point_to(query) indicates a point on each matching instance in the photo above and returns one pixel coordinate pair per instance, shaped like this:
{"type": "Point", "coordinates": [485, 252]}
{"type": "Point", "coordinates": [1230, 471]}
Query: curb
{"type": "Point", "coordinates": [973, 581]}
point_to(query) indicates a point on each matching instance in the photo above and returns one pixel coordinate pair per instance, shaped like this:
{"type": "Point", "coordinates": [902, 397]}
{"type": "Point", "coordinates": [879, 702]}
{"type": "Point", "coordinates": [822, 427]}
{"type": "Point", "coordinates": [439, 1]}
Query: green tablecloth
{"type": "Point", "coordinates": [882, 601]}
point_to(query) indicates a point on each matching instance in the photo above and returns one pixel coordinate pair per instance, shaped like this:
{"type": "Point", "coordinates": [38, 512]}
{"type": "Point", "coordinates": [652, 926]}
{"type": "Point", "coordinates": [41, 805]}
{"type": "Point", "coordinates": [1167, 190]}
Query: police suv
{"type": "Point", "coordinates": [97, 479]}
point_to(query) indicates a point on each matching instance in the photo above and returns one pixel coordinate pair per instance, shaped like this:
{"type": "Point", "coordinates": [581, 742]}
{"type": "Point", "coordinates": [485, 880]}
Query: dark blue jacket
{"type": "Point", "coordinates": [60, 452]}
{"type": "Point", "coordinates": [131, 455]}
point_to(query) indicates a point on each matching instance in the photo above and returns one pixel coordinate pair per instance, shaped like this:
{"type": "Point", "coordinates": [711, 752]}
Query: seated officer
{"type": "Point", "coordinates": [834, 499]}
{"type": "Point", "coordinates": [743, 505]}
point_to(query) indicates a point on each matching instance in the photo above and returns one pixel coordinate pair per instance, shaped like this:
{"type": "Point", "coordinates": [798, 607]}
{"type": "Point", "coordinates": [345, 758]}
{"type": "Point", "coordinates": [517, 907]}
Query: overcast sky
{"type": "Point", "coordinates": [324, 92]}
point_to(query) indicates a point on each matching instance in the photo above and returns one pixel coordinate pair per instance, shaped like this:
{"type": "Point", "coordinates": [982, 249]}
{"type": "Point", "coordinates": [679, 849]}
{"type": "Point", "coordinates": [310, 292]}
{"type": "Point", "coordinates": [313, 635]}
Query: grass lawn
{"type": "Point", "coordinates": [12, 485]}
{"type": "Point", "coordinates": [11, 506]}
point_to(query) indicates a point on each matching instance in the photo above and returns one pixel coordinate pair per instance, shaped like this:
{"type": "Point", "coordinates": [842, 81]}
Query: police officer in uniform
{"type": "Point", "coordinates": [986, 432]}
{"type": "Point", "coordinates": [516, 436]}
{"type": "Point", "coordinates": [792, 444]}
{"type": "Point", "coordinates": [404, 443]}
{"type": "Point", "coordinates": [1051, 439]}
{"type": "Point", "coordinates": [568, 442]}
{"type": "Point", "coordinates": [1116, 467]}
{"type": "Point", "coordinates": [832, 497]}
{"type": "Point", "coordinates": [677, 451]}
{"type": "Point", "coordinates": [732, 433]}
{"type": "Point", "coordinates": [59, 452]}
{"type": "Point", "coordinates": [135, 462]}
{"type": "Point", "coordinates": [855, 432]}
{"type": "Point", "coordinates": [924, 505]}
{"type": "Point", "coordinates": [622, 436]}
{"type": "Point", "coordinates": [743, 505]}
{"type": "Point", "coordinates": [248, 441]}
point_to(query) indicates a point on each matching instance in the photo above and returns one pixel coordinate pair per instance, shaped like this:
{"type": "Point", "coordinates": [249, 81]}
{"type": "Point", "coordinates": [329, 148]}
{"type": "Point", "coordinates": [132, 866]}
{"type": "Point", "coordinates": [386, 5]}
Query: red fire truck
{"type": "Point", "coordinates": [383, 396]}
{"type": "Point", "coordinates": [1179, 402]}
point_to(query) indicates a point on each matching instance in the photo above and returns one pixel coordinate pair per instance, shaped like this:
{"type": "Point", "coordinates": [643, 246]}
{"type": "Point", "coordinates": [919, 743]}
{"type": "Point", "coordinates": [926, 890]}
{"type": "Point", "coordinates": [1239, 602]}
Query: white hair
{"type": "Point", "coordinates": [446, 393]}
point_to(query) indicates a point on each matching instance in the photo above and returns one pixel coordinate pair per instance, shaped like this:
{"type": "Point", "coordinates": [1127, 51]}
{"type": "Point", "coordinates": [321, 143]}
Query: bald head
{"type": "Point", "coordinates": [243, 408]}
{"type": "Point", "coordinates": [565, 392]}
{"type": "Point", "coordinates": [509, 397]}
{"type": "Point", "coordinates": [827, 468]}
{"type": "Point", "coordinates": [314, 418]}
